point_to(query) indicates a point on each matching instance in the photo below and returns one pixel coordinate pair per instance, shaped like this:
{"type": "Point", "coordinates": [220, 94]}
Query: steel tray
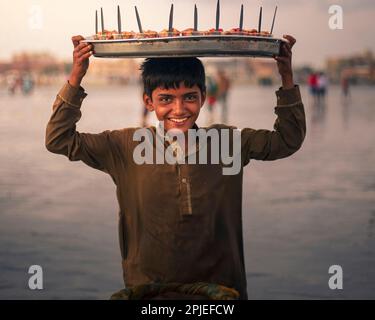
{"type": "Point", "coordinates": [187, 46]}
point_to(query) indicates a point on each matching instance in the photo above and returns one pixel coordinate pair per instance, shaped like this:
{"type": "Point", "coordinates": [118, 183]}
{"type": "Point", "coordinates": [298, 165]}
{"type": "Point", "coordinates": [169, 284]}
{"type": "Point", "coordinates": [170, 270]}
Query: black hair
{"type": "Point", "coordinates": [170, 72]}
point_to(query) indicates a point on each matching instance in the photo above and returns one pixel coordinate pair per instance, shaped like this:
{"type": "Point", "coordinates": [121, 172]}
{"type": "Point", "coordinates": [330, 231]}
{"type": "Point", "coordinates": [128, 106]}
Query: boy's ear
{"type": "Point", "coordinates": [203, 99]}
{"type": "Point", "coordinates": [147, 100]}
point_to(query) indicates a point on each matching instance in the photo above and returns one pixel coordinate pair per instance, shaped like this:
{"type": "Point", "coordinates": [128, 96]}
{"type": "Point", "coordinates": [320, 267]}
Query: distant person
{"type": "Point", "coordinates": [13, 83]}
{"type": "Point", "coordinates": [345, 87]}
{"type": "Point", "coordinates": [212, 95]}
{"type": "Point", "coordinates": [223, 89]}
{"type": "Point", "coordinates": [27, 83]}
{"type": "Point", "coordinates": [313, 85]}
{"type": "Point", "coordinates": [321, 84]}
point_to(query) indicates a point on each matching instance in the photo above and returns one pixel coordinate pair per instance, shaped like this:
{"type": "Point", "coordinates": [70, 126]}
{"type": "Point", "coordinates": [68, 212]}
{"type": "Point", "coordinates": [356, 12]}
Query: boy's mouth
{"type": "Point", "coordinates": [179, 121]}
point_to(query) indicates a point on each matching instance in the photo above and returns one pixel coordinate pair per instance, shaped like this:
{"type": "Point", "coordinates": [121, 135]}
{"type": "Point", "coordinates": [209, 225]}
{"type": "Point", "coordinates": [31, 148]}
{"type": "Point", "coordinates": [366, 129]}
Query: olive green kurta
{"type": "Point", "coordinates": [178, 222]}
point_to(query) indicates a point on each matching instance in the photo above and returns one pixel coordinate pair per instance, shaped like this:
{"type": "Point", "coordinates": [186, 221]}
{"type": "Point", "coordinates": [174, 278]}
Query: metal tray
{"type": "Point", "coordinates": [187, 46]}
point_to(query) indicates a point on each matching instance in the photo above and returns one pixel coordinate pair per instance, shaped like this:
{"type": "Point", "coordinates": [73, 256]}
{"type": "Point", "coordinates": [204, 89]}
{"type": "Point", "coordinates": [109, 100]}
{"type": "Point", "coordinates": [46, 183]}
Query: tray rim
{"type": "Point", "coordinates": [183, 38]}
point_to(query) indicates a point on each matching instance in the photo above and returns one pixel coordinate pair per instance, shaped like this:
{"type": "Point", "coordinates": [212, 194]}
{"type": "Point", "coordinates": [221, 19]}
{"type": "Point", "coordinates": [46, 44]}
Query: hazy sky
{"type": "Point", "coordinates": [306, 20]}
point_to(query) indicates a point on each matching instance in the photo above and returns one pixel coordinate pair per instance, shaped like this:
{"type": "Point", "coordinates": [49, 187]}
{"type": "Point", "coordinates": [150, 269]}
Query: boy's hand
{"type": "Point", "coordinates": [81, 54]}
{"type": "Point", "coordinates": [284, 62]}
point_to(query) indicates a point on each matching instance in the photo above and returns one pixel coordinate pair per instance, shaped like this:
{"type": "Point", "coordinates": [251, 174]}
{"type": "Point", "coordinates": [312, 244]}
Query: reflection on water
{"type": "Point", "coordinates": [301, 214]}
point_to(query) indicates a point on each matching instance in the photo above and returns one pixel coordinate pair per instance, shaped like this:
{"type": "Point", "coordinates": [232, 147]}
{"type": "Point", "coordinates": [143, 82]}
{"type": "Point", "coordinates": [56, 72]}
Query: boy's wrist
{"type": "Point", "coordinates": [287, 81]}
{"type": "Point", "coordinates": [75, 80]}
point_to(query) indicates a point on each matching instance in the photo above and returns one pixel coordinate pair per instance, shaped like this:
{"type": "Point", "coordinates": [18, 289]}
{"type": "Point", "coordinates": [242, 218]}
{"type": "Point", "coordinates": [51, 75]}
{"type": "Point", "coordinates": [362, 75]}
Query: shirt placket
{"type": "Point", "coordinates": [185, 190]}
{"type": "Point", "coordinates": [184, 183]}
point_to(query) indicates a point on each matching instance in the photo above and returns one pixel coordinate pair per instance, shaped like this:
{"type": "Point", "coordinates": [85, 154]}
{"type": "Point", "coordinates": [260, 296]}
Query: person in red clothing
{"type": "Point", "coordinates": [313, 84]}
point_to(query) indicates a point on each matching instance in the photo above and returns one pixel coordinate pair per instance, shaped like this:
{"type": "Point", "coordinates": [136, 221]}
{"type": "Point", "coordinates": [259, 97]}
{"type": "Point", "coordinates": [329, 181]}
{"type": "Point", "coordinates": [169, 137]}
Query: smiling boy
{"type": "Point", "coordinates": [179, 223]}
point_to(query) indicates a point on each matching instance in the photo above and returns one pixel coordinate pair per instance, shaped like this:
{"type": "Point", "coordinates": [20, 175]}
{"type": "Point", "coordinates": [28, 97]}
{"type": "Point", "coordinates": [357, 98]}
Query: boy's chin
{"type": "Point", "coordinates": [176, 129]}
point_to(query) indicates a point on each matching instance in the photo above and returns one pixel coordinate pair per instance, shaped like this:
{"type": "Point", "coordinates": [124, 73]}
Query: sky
{"type": "Point", "coordinates": [45, 25]}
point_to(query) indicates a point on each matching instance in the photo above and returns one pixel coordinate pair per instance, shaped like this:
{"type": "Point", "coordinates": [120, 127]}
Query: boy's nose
{"type": "Point", "coordinates": [178, 107]}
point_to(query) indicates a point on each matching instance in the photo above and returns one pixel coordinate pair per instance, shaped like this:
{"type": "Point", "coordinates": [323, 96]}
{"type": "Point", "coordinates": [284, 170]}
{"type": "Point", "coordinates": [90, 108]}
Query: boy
{"type": "Point", "coordinates": [179, 223]}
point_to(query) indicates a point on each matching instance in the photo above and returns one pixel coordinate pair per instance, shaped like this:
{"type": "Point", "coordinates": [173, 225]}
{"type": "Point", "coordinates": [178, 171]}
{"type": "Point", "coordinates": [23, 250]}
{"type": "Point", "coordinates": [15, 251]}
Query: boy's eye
{"type": "Point", "coordinates": [165, 99]}
{"type": "Point", "coordinates": [191, 98]}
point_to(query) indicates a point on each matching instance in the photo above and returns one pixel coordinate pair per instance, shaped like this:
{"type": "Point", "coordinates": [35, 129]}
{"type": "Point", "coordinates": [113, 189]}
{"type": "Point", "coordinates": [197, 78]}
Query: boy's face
{"type": "Point", "coordinates": [177, 108]}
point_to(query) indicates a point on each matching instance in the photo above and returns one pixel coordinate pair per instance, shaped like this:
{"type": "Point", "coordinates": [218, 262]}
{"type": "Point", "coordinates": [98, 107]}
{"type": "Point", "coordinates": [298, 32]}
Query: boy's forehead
{"type": "Point", "coordinates": [181, 89]}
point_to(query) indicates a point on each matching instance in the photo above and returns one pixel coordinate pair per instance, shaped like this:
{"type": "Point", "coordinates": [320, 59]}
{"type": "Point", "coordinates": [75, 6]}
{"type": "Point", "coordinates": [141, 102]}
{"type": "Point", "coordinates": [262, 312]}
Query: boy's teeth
{"type": "Point", "coordinates": [178, 120]}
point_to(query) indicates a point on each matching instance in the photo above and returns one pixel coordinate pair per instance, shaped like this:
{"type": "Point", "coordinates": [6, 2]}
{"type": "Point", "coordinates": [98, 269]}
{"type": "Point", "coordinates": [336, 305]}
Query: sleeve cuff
{"type": "Point", "coordinates": [72, 95]}
{"type": "Point", "coordinates": [287, 97]}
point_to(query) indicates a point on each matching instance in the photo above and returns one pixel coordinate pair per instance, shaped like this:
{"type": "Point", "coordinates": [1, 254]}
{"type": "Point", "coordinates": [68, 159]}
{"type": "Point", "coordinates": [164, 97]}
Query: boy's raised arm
{"type": "Point", "coordinates": [61, 135]}
{"type": "Point", "coordinates": [290, 126]}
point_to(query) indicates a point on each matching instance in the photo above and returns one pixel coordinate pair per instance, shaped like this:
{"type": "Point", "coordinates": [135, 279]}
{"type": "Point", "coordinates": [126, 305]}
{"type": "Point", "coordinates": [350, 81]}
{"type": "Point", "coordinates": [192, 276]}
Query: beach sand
{"type": "Point", "coordinates": [301, 214]}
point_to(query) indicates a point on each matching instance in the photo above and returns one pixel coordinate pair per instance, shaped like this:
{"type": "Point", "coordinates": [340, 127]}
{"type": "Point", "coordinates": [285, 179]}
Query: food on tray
{"type": "Point", "coordinates": [251, 32]}
{"type": "Point", "coordinates": [167, 33]}
{"type": "Point", "coordinates": [214, 31]}
{"type": "Point", "coordinates": [235, 31]}
{"type": "Point", "coordinates": [192, 32]}
{"type": "Point", "coordinates": [106, 35]}
{"type": "Point", "coordinates": [109, 35]}
{"type": "Point", "coordinates": [265, 34]}
{"type": "Point", "coordinates": [189, 42]}
{"type": "Point", "coordinates": [128, 34]}
{"type": "Point", "coordinates": [147, 34]}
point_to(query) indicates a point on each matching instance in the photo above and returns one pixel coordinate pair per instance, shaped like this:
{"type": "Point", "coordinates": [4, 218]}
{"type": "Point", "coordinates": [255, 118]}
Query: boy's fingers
{"type": "Point", "coordinates": [81, 46]}
{"type": "Point", "coordinates": [84, 50]}
{"type": "Point", "coordinates": [85, 56]}
{"type": "Point", "coordinates": [281, 59]}
{"type": "Point", "coordinates": [76, 40]}
{"type": "Point", "coordinates": [291, 39]}
{"type": "Point", "coordinates": [286, 50]}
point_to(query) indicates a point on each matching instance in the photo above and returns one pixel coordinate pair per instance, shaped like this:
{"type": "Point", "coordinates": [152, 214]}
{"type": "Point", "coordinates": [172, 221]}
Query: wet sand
{"type": "Point", "coordinates": [301, 214]}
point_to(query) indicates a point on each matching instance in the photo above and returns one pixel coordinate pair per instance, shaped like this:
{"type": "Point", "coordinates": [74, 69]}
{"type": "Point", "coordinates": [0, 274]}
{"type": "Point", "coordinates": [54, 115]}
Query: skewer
{"type": "Point", "coordinates": [171, 19]}
{"type": "Point", "coordinates": [195, 18]}
{"type": "Point", "coordinates": [241, 18]}
{"type": "Point", "coordinates": [96, 21]}
{"type": "Point", "coordinates": [101, 14]}
{"type": "Point", "coordinates": [260, 20]}
{"type": "Point", "coordinates": [138, 20]}
{"type": "Point", "coordinates": [273, 20]}
{"type": "Point", "coordinates": [217, 15]}
{"type": "Point", "coordinates": [118, 20]}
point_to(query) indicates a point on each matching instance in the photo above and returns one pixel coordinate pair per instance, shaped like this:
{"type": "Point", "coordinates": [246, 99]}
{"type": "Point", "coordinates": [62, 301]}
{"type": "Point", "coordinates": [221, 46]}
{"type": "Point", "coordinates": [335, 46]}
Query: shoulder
{"type": "Point", "coordinates": [130, 135]}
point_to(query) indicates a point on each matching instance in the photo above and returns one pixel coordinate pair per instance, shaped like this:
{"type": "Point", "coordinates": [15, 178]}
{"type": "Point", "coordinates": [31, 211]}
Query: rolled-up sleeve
{"type": "Point", "coordinates": [288, 134]}
{"type": "Point", "coordinates": [62, 137]}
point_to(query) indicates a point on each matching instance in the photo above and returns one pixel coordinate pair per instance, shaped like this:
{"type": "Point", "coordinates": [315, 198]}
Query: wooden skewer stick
{"type": "Point", "coordinates": [96, 21]}
{"type": "Point", "coordinates": [138, 20]}
{"type": "Point", "coordinates": [171, 19]}
{"type": "Point", "coordinates": [273, 20]}
{"type": "Point", "coordinates": [217, 15]}
{"type": "Point", "coordinates": [260, 20]}
{"type": "Point", "coordinates": [102, 16]}
{"type": "Point", "coordinates": [118, 20]}
{"type": "Point", "coordinates": [241, 18]}
{"type": "Point", "coordinates": [195, 18]}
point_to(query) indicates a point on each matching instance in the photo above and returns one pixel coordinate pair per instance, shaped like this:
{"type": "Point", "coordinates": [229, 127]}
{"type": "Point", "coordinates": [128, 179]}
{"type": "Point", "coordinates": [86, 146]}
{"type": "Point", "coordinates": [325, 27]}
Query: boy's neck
{"type": "Point", "coordinates": [164, 133]}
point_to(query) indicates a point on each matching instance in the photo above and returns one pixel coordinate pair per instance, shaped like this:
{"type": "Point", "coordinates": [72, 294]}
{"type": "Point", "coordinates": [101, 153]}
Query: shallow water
{"type": "Point", "coordinates": [301, 214]}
